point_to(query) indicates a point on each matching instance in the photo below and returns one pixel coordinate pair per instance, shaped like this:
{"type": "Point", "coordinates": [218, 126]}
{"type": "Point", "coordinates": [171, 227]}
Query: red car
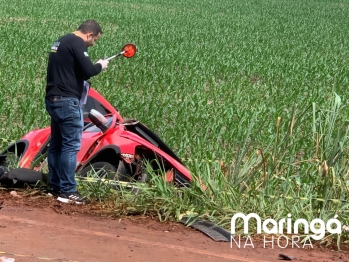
{"type": "Point", "coordinates": [124, 149]}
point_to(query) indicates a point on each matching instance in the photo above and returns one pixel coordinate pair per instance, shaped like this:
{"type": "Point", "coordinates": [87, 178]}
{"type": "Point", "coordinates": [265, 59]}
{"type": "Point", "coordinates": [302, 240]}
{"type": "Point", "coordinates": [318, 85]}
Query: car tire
{"type": "Point", "coordinates": [121, 173]}
{"type": "Point", "coordinates": [102, 169]}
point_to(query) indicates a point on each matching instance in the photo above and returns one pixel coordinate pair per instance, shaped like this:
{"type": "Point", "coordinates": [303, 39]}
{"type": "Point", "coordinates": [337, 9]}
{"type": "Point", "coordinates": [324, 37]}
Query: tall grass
{"type": "Point", "coordinates": [283, 177]}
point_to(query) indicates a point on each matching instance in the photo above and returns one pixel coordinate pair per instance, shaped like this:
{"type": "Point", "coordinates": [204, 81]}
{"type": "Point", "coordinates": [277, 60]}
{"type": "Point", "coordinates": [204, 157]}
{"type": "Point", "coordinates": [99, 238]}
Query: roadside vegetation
{"type": "Point", "coordinates": [252, 95]}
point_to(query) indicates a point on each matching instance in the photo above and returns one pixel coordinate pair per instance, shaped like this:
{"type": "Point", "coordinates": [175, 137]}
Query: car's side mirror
{"type": "Point", "coordinates": [98, 119]}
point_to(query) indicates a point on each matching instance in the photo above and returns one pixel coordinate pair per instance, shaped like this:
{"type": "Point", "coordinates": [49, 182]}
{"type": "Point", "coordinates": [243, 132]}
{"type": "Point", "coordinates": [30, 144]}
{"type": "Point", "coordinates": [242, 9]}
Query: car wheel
{"type": "Point", "coordinates": [101, 169]}
{"type": "Point", "coordinates": [121, 173]}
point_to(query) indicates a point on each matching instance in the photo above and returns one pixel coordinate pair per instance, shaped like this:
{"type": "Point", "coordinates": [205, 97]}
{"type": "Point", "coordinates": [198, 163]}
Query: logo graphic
{"type": "Point", "coordinates": [271, 227]}
{"type": "Point", "coordinates": [54, 47]}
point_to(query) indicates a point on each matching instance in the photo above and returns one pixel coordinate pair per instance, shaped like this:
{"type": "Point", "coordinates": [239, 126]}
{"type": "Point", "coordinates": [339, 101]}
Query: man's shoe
{"type": "Point", "coordinates": [73, 197]}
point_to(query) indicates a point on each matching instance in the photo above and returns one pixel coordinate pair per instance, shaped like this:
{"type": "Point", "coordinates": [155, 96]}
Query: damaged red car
{"type": "Point", "coordinates": [122, 149]}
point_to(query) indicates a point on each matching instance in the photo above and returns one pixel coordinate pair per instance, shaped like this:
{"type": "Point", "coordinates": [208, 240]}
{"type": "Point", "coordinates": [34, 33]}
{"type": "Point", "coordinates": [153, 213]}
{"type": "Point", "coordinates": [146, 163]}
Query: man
{"type": "Point", "coordinates": [68, 67]}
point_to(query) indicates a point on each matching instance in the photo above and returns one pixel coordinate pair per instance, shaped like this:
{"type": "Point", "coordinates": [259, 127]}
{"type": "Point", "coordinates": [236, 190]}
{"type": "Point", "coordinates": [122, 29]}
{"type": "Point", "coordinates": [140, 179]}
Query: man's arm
{"type": "Point", "coordinates": [87, 67]}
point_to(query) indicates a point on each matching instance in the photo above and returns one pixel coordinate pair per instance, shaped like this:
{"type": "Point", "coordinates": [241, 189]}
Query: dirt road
{"type": "Point", "coordinates": [42, 229]}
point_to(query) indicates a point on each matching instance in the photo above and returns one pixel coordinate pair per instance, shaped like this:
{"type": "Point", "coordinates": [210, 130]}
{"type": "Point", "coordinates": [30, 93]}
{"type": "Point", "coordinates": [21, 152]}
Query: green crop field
{"type": "Point", "coordinates": [253, 94]}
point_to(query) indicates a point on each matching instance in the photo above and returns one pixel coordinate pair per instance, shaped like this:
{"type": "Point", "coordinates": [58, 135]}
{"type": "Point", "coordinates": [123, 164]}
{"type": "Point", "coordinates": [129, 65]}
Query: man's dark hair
{"type": "Point", "coordinates": [90, 26]}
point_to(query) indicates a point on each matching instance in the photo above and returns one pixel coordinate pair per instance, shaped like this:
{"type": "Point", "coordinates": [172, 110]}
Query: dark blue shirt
{"type": "Point", "coordinates": [68, 67]}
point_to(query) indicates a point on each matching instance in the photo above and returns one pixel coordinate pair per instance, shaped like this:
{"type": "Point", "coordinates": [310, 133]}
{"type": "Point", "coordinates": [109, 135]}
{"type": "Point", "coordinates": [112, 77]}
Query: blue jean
{"type": "Point", "coordinates": [66, 132]}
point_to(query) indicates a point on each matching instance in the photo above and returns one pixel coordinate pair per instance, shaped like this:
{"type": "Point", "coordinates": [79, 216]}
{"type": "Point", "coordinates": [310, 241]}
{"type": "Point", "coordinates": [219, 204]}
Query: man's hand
{"type": "Point", "coordinates": [104, 63]}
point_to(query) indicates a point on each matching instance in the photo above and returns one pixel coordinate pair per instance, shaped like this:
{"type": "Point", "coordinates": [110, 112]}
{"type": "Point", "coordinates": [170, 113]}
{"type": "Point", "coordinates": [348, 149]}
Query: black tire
{"type": "Point", "coordinates": [121, 173]}
{"type": "Point", "coordinates": [102, 169]}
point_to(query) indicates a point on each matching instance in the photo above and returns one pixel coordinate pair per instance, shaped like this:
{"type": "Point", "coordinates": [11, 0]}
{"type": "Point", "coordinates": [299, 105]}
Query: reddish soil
{"type": "Point", "coordinates": [37, 228]}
